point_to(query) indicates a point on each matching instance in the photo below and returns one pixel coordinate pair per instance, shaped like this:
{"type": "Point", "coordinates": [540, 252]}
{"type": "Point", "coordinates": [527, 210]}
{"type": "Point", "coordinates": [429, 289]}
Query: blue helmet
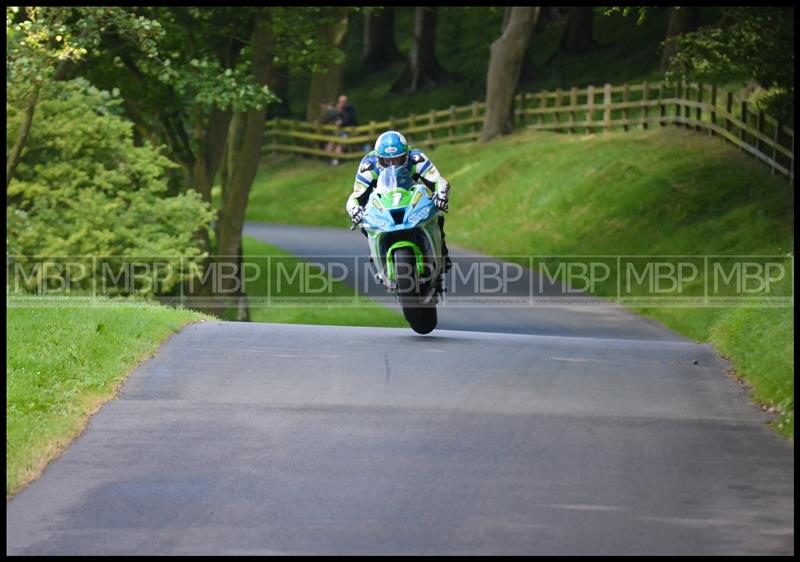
{"type": "Point", "coordinates": [392, 149]}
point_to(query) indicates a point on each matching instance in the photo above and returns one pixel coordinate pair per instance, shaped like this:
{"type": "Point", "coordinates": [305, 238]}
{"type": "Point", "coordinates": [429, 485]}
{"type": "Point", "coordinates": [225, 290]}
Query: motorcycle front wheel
{"type": "Point", "coordinates": [420, 316]}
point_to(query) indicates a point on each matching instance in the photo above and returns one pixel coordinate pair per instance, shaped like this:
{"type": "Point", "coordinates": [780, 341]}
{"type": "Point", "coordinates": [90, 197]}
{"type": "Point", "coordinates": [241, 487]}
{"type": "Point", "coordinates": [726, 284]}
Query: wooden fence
{"type": "Point", "coordinates": [703, 108]}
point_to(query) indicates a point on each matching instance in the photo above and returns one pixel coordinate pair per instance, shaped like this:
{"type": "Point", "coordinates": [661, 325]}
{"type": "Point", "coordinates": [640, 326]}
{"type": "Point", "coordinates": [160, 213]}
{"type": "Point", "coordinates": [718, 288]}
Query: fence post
{"type": "Point", "coordinates": [522, 108]}
{"type": "Point", "coordinates": [759, 128]}
{"type": "Point", "coordinates": [776, 137]}
{"type": "Point", "coordinates": [713, 109]}
{"type": "Point", "coordinates": [290, 138]}
{"type": "Point", "coordinates": [542, 104]}
{"type": "Point", "coordinates": [625, 115]}
{"type": "Point", "coordinates": [590, 109]}
{"type": "Point", "coordinates": [573, 101]}
{"type": "Point", "coordinates": [743, 128]}
{"type": "Point", "coordinates": [557, 114]}
{"type": "Point", "coordinates": [318, 130]}
{"type": "Point", "coordinates": [475, 126]}
{"type": "Point", "coordinates": [275, 136]}
{"type": "Point", "coordinates": [678, 105]}
{"type": "Point", "coordinates": [687, 111]}
{"type": "Point", "coordinates": [645, 109]}
{"type": "Point", "coordinates": [662, 108]}
{"type": "Point", "coordinates": [699, 112]}
{"type": "Point", "coordinates": [607, 107]}
{"type": "Point", "coordinates": [452, 131]}
{"type": "Point", "coordinates": [729, 111]}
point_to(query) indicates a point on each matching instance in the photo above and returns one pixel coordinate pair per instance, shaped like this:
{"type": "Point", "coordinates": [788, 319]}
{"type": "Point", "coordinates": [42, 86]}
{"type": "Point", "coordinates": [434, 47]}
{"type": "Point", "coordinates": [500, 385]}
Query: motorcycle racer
{"type": "Point", "coordinates": [391, 149]}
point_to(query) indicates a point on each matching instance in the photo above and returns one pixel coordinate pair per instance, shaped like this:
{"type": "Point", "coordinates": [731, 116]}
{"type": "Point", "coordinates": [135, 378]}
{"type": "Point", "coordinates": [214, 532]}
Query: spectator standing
{"type": "Point", "coordinates": [346, 118]}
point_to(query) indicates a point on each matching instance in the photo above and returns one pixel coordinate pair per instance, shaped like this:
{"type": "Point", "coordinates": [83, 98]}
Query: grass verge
{"type": "Point", "coordinates": [64, 362]}
{"type": "Point", "coordinates": [655, 192]}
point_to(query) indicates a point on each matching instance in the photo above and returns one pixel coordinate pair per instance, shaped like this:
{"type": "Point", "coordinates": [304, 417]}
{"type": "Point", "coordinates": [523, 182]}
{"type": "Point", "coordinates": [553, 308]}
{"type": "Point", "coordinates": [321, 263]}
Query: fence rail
{"type": "Point", "coordinates": [586, 110]}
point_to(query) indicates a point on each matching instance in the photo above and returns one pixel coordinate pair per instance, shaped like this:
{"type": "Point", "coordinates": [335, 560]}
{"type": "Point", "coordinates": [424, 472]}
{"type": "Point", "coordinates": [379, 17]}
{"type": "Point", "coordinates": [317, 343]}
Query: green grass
{"type": "Point", "coordinates": [276, 280]}
{"type": "Point", "coordinates": [657, 192]}
{"type": "Point", "coordinates": [63, 363]}
{"type": "Point", "coordinates": [760, 343]}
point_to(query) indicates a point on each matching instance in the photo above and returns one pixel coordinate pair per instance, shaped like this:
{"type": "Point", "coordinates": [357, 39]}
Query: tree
{"type": "Point", "coordinates": [43, 43]}
{"type": "Point", "coordinates": [245, 139]}
{"type": "Point", "coordinates": [185, 97]}
{"type": "Point", "coordinates": [83, 188]}
{"type": "Point", "coordinates": [681, 20]}
{"type": "Point", "coordinates": [326, 81]}
{"type": "Point", "coordinates": [748, 44]}
{"type": "Point", "coordinates": [205, 96]}
{"type": "Point", "coordinates": [380, 47]}
{"type": "Point", "coordinates": [577, 37]}
{"type": "Point", "coordinates": [546, 15]}
{"type": "Point", "coordinates": [423, 68]}
{"type": "Point", "coordinates": [504, 70]}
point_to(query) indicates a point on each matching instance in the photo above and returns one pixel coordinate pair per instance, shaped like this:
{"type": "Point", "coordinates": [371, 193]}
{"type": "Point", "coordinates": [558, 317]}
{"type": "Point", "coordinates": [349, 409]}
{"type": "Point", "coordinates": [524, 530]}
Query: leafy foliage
{"type": "Point", "coordinates": [204, 67]}
{"type": "Point", "coordinates": [39, 39]}
{"type": "Point", "coordinates": [627, 10]}
{"type": "Point", "coordinates": [750, 43]}
{"type": "Point", "coordinates": [203, 59]}
{"type": "Point", "coordinates": [84, 188]}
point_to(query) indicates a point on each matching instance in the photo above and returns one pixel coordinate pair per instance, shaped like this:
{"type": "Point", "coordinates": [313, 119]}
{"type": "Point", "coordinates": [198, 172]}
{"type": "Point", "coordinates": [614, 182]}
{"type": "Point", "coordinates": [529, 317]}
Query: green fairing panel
{"type": "Point", "coordinates": [390, 257]}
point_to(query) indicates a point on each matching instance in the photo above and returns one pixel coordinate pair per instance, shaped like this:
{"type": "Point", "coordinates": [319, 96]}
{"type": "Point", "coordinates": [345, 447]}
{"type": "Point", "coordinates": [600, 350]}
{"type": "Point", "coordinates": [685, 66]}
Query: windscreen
{"type": "Point", "coordinates": [394, 177]}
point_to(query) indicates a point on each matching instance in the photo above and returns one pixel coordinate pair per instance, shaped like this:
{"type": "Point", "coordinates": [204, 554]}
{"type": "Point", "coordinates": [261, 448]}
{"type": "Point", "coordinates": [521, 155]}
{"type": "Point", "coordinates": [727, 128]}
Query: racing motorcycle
{"type": "Point", "coordinates": [405, 242]}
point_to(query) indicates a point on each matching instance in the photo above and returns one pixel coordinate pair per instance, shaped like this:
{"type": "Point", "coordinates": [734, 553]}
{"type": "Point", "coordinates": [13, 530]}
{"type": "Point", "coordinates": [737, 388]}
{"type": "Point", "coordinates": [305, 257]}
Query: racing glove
{"type": "Point", "coordinates": [441, 200]}
{"type": "Point", "coordinates": [357, 215]}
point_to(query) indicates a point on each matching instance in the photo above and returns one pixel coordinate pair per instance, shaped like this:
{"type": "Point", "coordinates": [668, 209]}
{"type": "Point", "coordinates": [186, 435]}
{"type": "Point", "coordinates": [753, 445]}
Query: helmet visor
{"type": "Point", "coordinates": [393, 160]}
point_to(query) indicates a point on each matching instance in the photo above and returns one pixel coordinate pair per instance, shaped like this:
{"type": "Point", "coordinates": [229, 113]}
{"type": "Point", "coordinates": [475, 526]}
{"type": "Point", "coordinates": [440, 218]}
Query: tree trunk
{"type": "Point", "coordinates": [206, 165]}
{"type": "Point", "coordinates": [327, 86]}
{"type": "Point", "coordinates": [502, 77]}
{"type": "Point", "coordinates": [15, 155]}
{"type": "Point", "coordinates": [245, 139]}
{"type": "Point", "coordinates": [13, 158]}
{"type": "Point", "coordinates": [423, 69]}
{"type": "Point", "coordinates": [577, 37]}
{"type": "Point", "coordinates": [209, 156]}
{"type": "Point", "coordinates": [380, 48]}
{"type": "Point", "coordinates": [681, 20]}
{"type": "Point", "coordinates": [506, 18]}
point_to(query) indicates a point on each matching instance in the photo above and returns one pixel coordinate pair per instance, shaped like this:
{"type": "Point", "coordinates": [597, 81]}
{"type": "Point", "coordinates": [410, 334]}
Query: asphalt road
{"type": "Point", "coordinates": [289, 439]}
{"type": "Point", "coordinates": [245, 439]}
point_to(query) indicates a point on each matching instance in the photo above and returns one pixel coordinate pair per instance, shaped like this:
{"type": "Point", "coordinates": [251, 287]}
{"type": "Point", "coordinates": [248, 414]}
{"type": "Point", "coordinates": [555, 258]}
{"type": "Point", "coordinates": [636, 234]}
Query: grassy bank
{"type": "Point", "coordinates": [656, 192]}
{"type": "Point", "coordinates": [63, 363]}
{"type": "Point", "coordinates": [331, 303]}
